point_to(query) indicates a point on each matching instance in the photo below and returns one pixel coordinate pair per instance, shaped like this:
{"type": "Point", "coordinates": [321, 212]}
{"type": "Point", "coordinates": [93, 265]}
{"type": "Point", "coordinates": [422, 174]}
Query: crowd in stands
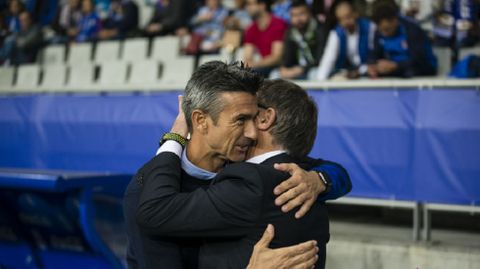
{"type": "Point", "coordinates": [292, 39]}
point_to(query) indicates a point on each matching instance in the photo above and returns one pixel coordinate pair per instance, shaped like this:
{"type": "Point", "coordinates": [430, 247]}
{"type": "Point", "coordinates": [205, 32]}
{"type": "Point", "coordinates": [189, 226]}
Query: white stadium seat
{"type": "Point", "coordinates": [177, 70]}
{"type": "Point", "coordinates": [80, 53]}
{"type": "Point", "coordinates": [54, 76]}
{"type": "Point", "coordinates": [113, 73]}
{"type": "Point", "coordinates": [464, 52]}
{"type": "Point", "coordinates": [6, 77]}
{"type": "Point", "coordinates": [28, 76]}
{"type": "Point", "coordinates": [81, 75]}
{"type": "Point", "coordinates": [53, 55]}
{"type": "Point", "coordinates": [144, 72]}
{"type": "Point", "coordinates": [165, 48]}
{"type": "Point", "coordinates": [444, 56]}
{"type": "Point", "coordinates": [214, 57]}
{"type": "Point", "coordinates": [135, 49]}
{"type": "Point", "coordinates": [107, 51]}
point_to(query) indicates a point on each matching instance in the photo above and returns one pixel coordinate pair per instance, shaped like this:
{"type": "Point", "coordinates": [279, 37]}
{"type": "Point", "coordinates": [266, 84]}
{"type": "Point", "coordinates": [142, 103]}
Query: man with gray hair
{"type": "Point", "coordinates": [230, 215]}
{"type": "Point", "coordinates": [221, 107]}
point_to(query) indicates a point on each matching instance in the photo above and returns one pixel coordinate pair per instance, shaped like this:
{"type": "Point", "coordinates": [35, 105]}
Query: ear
{"type": "Point", "coordinates": [199, 121]}
{"type": "Point", "coordinates": [266, 118]}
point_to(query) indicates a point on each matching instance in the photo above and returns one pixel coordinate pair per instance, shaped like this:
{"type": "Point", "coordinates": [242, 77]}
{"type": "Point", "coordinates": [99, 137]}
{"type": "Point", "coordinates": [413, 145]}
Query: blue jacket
{"type": "Point", "coordinates": [418, 58]}
{"type": "Point", "coordinates": [363, 48]}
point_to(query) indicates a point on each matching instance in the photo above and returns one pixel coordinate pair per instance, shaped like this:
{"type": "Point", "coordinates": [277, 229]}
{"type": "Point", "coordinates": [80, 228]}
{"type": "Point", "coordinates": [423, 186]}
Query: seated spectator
{"type": "Point", "coordinates": [12, 18]}
{"type": "Point", "coordinates": [22, 47]}
{"type": "Point", "coordinates": [348, 45]}
{"type": "Point", "coordinates": [170, 17]}
{"type": "Point", "coordinates": [122, 20]}
{"type": "Point", "coordinates": [264, 36]}
{"type": "Point", "coordinates": [101, 8]}
{"type": "Point", "coordinates": [89, 24]}
{"type": "Point", "coordinates": [208, 23]}
{"type": "Point", "coordinates": [456, 23]}
{"type": "Point", "coordinates": [304, 42]}
{"type": "Point", "coordinates": [67, 19]}
{"type": "Point", "coordinates": [401, 47]}
{"type": "Point", "coordinates": [281, 9]}
{"type": "Point", "coordinates": [3, 29]}
{"type": "Point", "coordinates": [238, 18]}
{"type": "Point", "coordinates": [321, 9]}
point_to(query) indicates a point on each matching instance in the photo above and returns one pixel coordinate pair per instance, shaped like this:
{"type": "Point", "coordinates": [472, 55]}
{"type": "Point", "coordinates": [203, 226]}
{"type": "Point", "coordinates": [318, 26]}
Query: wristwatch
{"type": "Point", "coordinates": [326, 180]}
{"type": "Point", "coordinates": [175, 137]}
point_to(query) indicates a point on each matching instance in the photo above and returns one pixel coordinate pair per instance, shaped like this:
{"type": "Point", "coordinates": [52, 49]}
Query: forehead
{"type": "Point", "coordinates": [299, 9]}
{"type": "Point", "coordinates": [343, 9]}
{"type": "Point", "coordinates": [239, 103]}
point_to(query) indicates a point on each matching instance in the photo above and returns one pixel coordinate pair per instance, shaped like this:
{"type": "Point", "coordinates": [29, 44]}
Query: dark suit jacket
{"type": "Point", "coordinates": [156, 251]}
{"type": "Point", "coordinates": [230, 215]}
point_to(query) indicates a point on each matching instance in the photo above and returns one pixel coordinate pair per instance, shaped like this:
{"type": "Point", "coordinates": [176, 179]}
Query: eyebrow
{"type": "Point", "coordinates": [247, 116]}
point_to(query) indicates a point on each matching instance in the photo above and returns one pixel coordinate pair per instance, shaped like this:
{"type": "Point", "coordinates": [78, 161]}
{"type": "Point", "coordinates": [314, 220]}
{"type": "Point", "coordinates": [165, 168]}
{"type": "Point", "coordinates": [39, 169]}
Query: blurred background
{"type": "Point", "coordinates": [88, 87]}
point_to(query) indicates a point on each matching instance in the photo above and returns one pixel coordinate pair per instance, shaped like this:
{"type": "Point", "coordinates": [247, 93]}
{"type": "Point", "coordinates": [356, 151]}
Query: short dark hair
{"type": "Point", "coordinates": [384, 10]}
{"type": "Point", "coordinates": [337, 3]}
{"type": "Point", "coordinates": [211, 79]}
{"type": "Point", "coordinates": [298, 3]}
{"type": "Point", "coordinates": [268, 4]}
{"type": "Point", "coordinates": [296, 125]}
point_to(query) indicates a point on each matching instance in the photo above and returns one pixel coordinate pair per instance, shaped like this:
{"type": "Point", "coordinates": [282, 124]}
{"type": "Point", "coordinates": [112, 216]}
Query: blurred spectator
{"type": "Point", "coordinates": [43, 11]}
{"type": "Point", "coordinates": [401, 47]}
{"type": "Point", "coordinates": [22, 47]}
{"type": "Point", "coordinates": [68, 18]}
{"type": "Point", "coordinates": [238, 18]}
{"type": "Point", "coordinates": [281, 9]}
{"type": "Point", "coordinates": [170, 17]}
{"type": "Point", "coordinates": [304, 42]}
{"type": "Point", "coordinates": [418, 10]}
{"type": "Point", "coordinates": [122, 20]}
{"type": "Point", "coordinates": [321, 9]}
{"type": "Point", "coordinates": [101, 8]}
{"type": "Point", "coordinates": [264, 36]}
{"type": "Point", "coordinates": [348, 44]}
{"type": "Point", "coordinates": [89, 25]}
{"type": "Point", "coordinates": [154, 26]}
{"type": "Point", "coordinates": [208, 23]}
{"type": "Point", "coordinates": [468, 67]}
{"type": "Point", "coordinates": [456, 23]}
{"type": "Point", "coordinates": [3, 29]}
{"type": "Point", "coordinates": [12, 18]}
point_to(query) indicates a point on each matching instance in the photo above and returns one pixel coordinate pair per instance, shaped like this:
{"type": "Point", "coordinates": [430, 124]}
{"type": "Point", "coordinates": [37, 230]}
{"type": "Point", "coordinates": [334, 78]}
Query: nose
{"type": "Point", "coordinates": [250, 130]}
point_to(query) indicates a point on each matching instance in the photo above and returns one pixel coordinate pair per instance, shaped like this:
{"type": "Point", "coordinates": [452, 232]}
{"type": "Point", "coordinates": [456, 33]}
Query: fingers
{"type": "Point", "coordinates": [266, 237]}
{"type": "Point", "coordinates": [292, 193]}
{"type": "Point", "coordinates": [284, 186]}
{"type": "Point", "coordinates": [286, 167]}
{"type": "Point", "coordinates": [296, 201]}
{"type": "Point", "coordinates": [305, 208]}
{"type": "Point", "coordinates": [299, 249]}
{"type": "Point", "coordinates": [309, 263]}
{"type": "Point", "coordinates": [291, 182]}
{"type": "Point", "coordinates": [180, 102]}
{"type": "Point", "coordinates": [299, 256]}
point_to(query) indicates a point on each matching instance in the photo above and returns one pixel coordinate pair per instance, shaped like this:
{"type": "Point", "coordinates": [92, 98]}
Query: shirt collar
{"type": "Point", "coordinates": [262, 157]}
{"type": "Point", "coordinates": [194, 170]}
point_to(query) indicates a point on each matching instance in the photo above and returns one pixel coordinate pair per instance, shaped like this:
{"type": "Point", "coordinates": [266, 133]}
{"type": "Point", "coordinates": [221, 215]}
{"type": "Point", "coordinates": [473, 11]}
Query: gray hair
{"type": "Point", "coordinates": [212, 78]}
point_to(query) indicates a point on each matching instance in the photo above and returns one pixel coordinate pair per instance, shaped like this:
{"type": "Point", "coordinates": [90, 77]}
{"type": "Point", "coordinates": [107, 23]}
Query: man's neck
{"type": "Point", "coordinates": [202, 158]}
{"type": "Point", "coordinates": [264, 145]}
{"type": "Point", "coordinates": [264, 20]}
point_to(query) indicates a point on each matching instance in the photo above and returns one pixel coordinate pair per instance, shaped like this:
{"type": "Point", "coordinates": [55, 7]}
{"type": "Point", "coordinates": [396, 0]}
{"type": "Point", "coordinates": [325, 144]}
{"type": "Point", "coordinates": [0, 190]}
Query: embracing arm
{"type": "Point", "coordinates": [339, 178]}
{"type": "Point", "coordinates": [225, 209]}
{"type": "Point", "coordinates": [303, 188]}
